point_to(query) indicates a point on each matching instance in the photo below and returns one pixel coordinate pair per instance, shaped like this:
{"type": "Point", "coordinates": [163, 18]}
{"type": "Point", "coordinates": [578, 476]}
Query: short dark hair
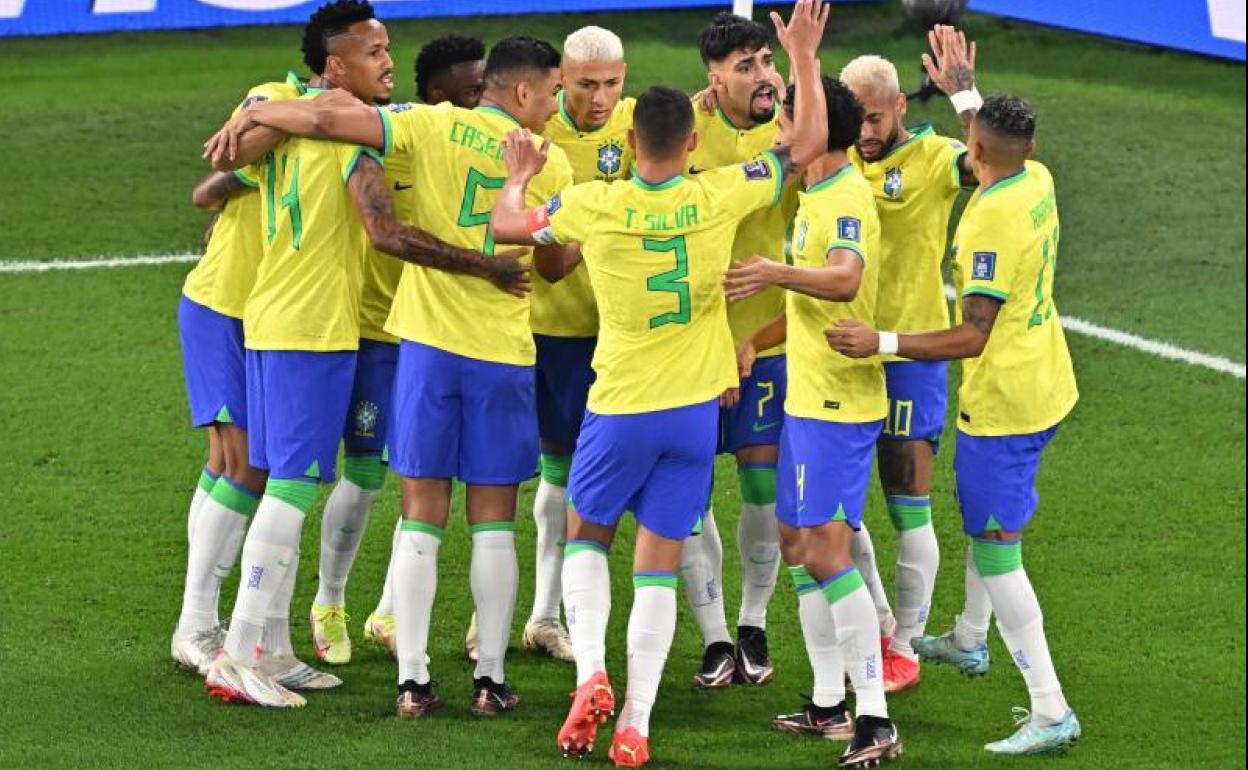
{"type": "Point", "coordinates": [845, 113]}
{"type": "Point", "coordinates": [330, 20]}
{"type": "Point", "coordinates": [517, 54]}
{"type": "Point", "coordinates": [728, 32]}
{"type": "Point", "coordinates": [663, 120]}
{"type": "Point", "coordinates": [1009, 117]}
{"type": "Point", "coordinates": [440, 54]}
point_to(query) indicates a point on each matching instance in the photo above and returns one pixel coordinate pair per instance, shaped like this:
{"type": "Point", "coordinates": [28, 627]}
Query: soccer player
{"type": "Point", "coordinates": [746, 86]}
{"type": "Point", "coordinates": [835, 412]}
{"type": "Point", "coordinates": [1017, 386]}
{"type": "Point", "coordinates": [655, 248]}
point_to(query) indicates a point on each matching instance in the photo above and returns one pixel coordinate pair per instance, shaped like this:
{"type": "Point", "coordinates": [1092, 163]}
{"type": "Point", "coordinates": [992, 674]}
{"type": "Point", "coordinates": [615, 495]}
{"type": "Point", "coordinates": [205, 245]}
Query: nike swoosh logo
{"type": "Point", "coordinates": [400, 187]}
{"type": "Point", "coordinates": [694, 170]}
{"type": "Point", "coordinates": [760, 427]}
{"type": "Point", "coordinates": [283, 564]}
{"type": "Point", "coordinates": [761, 561]}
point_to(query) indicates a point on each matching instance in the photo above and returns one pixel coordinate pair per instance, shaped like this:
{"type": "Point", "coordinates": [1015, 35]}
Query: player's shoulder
{"type": "Point", "coordinates": [289, 88]}
{"type": "Point", "coordinates": [624, 109]}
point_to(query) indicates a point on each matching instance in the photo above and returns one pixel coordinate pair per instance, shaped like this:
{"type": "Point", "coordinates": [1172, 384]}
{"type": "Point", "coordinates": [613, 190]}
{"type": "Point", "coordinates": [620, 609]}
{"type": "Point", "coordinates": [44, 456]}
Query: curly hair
{"type": "Point", "coordinates": [328, 21]}
{"type": "Point", "coordinates": [440, 54]}
{"type": "Point", "coordinates": [845, 113]}
{"type": "Point", "coordinates": [728, 32]}
{"type": "Point", "coordinates": [1008, 116]}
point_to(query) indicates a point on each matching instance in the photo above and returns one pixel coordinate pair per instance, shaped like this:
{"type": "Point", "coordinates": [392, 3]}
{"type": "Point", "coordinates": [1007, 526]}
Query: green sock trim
{"type": "Point", "coordinates": [366, 472]}
{"type": "Point", "coordinates": [842, 585]}
{"type": "Point", "coordinates": [206, 480]}
{"type": "Point", "coordinates": [556, 469]}
{"type": "Point", "coordinates": [803, 581]}
{"type": "Point", "coordinates": [236, 498]}
{"type": "Point", "coordinates": [300, 494]}
{"type": "Point", "coordinates": [422, 526]}
{"type": "Point", "coordinates": [643, 579]}
{"type": "Point", "coordinates": [574, 547]}
{"type": "Point", "coordinates": [909, 512]}
{"type": "Point", "coordinates": [758, 484]}
{"type": "Point", "coordinates": [492, 526]}
{"type": "Point", "coordinates": [993, 557]}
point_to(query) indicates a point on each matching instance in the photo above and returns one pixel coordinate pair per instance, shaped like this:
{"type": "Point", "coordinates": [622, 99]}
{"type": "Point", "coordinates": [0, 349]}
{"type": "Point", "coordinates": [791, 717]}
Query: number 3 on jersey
{"type": "Point", "coordinates": [674, 280]}
{"type": "Point", "coordinates": [468, 214]}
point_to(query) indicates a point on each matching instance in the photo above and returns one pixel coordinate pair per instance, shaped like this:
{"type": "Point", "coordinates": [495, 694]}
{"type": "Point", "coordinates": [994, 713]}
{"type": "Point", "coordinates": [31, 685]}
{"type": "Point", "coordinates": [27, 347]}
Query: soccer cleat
{"type": "Point", "coordinates": [548, 634]}
{"type": "Point", "coordinates": [944, 649]}
{"type": "Point", "coordinates": [329, 634]}
{"type": "Point", "coordinates": [470, 640]}
{"type": "Point", "coordinates": [629, 748]}
{"type": "Point", "coordinates": [196, 651]}
{"type": "Point", "coordinates": [294, 674]}
{"type": "Point", "coordinates": [875, 742]}
{"type": "Point", "coordinates": [900, 673]}
{"type": "Point", "coordinates": [718, 667]}
{"type": "Point", "coordinates": [379, 629]}
{"type": "Point", "coordinates": [490, 698]}
{"type": "Point", "coordinates": [1032, 738]}
{"type": "Point", "coordinates": [751, 658]}
{"type": "Point", "coordinates": [833, 722]}
{"type": "Point", "coordinates": [592, 703]}
{"type": "Point", "coordinates": [416, 700]}
{"type": "Point", "coordinates": [232, 681]}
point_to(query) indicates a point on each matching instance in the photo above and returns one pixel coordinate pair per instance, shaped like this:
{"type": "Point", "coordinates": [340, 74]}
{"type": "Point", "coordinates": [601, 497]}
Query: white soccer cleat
{"type": "Point", "coordinates": [196, 651]}
{"type": "Point", "coordinates": [231, 681]}
{"type": "Point", "coordinates": [549, 635]}
{"type": "Point", "coordinates": [293, 674]}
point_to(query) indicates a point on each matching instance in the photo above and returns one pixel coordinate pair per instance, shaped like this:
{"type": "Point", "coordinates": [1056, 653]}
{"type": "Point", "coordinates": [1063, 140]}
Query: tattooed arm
{"type": "Point", "coordinates": [215, 189]}
{"type": "Point", "coordinates": [951, 64]}
{"type": "Point", "coordinates": [967, 340]}
{"type": "Point", "coordinates": [372, 200]}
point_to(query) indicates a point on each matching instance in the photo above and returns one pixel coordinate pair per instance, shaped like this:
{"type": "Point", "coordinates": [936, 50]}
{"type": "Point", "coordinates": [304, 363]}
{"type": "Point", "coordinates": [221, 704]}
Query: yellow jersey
{"type": "Point", "coordinates": [720, 143]}
{"type": "Point", "coordinates": [1006, 247]}
{"type": "Point", "coordinates": [836, 213]}
{"type": "Point", "coordinates": [566, 308]}
{"type": "Point", "coordinates": [383, 271]}
{"type": "Point", "coordinates": [915, 186]}
{"type": "Point", "coordinates": [460, 154]}
{"type": "Point", "coordinates": [223, 277]}
{"type": "Point", "coordinates": [307, 292]}
{"type": "Point", "coordinates": [656, 255]}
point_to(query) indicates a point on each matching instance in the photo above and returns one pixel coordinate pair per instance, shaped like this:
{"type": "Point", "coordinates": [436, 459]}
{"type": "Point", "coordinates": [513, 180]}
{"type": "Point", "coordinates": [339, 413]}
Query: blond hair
{"type": "Point", "coordinates": [873, 74]}
{"type": "Point", "coordinates": [593, 44]}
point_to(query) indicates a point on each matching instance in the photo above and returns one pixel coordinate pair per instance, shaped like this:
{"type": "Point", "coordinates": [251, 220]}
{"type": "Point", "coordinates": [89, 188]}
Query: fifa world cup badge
{"type": "Point", "coordinates": [609, 157]}
{"type": "Point", "coordinates": [892, 182]}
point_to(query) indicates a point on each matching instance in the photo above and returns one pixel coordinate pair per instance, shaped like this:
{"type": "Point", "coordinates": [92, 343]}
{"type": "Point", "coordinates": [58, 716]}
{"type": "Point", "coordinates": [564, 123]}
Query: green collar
{"type": "Point", "coordinates": [827, 182]}
{"type": "Point", "coordinates": [297, 82]}
{"type": "Point", "coordinates": [728, 121]}
{"type": "Point", "coordinates": [916, 132]}
{"type": "Point", "coordinates": [1001, 184]}
{"type": "Point", "coordinates": [665, 185]}
{"type": "Point", "coordinates": [498, 111]}
{"type": "Point", "coordinates": [567, 117]}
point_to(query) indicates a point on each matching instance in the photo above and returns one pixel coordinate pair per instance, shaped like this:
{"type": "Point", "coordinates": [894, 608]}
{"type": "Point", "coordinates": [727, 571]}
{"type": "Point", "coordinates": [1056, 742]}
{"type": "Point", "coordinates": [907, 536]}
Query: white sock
{"type": "Point", "coordinates": [971, 628]}
{"type": "Point", "coordinates": [342, 529]}
{"type": "Point", "coordinates": [587, 603]}
{"type": "Point", "coordinates": [758, 543]}
{"type": "Point", "coordinates": [651, 625]}
{"type": "Point", "coordinates": [268, 553]}
{"type": "Point", "coordinates": [549, 514]}
{"type": "Point", "coordinates": [494, 577]}
{"type": "Point", "coordinates": [218, 535]}
{"type": "Point", "coordinates": [701, 572]}
{"type": "Point", "coordinates": [862, 551]}
{"type": "Point", "coordinates": [857, 634]}
{"type": "Point", "coordinates": [918, 558]}
{"type": "Point", "coordinates": [385, 605]}
{"type": "Point", "coordinates": [202, 490]}
{"type": "Point", "coordinates": [276, 640]}
{"type": "Point", "coordinates": [826, 662]}
{"type": "Point", "coordinates": [415, 585]}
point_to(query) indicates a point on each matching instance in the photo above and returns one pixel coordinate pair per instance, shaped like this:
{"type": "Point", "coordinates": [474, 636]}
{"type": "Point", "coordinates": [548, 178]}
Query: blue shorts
{"type": "Point", "coordinates": [659, 465]}
{"type": "Point", "coordinates": [824, 471]}
{"type": "Point", "coordinates": [462, 418]}
{"type": "Point", "coordinates": [369, 414]}
{"type": "Point", "coordinates": [757, 418]}
{"type": "Point", "coordinates": [214, 364]}
{"type": "Point", "coordinates": [996, 479]}
{"type": "Point", "coordinates": [296, 405]}
{"type": "Point", "coordinates": [563, 375]}
{"type": "Point", "coordinates": [918, 393]}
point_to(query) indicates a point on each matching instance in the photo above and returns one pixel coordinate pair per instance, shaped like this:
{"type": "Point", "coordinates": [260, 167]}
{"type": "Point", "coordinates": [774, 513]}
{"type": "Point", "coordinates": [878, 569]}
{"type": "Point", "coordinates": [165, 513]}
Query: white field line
{"type": "Point", "coordinates": [1077, 325]}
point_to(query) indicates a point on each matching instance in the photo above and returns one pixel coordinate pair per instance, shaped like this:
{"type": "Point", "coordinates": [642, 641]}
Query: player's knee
{"type": "Point", "coordinates": [905, 467]}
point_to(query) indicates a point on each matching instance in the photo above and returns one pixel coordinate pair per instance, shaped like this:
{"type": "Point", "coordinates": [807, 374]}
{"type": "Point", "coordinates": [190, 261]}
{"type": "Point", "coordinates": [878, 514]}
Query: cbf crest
{"type": "Point", "coordinates": [803, 228]}
{"type": "Point", "coordinates": [365, 419]}
{"type": "Point", "coordinates": [610, 157]}
{"type": "Point", "coordinates": [892, 182]}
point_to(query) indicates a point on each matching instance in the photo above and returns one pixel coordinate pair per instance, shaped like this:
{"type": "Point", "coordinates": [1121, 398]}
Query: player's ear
{"type": "Point", "coordinates": [1031, 147]}
{"type": "Point", "coordinates": [903, 104]}
{"type": "Point", "coordinates": [523, 92]}
{"type": "Point", "coordinates": [693, 141]}
{"type": "Point", "coordinates": [632, 139]}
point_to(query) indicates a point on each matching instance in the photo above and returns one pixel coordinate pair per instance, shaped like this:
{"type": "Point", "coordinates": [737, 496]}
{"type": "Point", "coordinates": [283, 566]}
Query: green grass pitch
{"type": "Point", "coordinates": [1137, 552]}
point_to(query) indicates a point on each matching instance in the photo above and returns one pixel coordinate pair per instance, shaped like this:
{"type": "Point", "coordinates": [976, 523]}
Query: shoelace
{"type": "Point", "coordinates": [336, 614]}
{"type": "Point", "coordinates": [1020, 715]}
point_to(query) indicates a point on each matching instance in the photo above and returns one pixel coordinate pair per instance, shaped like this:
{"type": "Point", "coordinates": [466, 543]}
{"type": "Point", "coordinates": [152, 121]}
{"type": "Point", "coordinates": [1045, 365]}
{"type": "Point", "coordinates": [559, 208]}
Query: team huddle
{"type": "Point", "coordinates": [527, 273]}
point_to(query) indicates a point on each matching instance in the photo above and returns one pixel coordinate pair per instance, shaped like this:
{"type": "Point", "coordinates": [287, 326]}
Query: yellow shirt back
{"type": "Point", "coordinates": [720, 143]}
{"type": "Point", "coordinates": [915, 186]}
{"type": "Point", "coordinates": [1006, 247]}
{"type": "Point", "coordinates": [837, 213]}
{"type": "Point", "coordinates": [566, 308]}
{"type": "Point", "coordinates": [460, 154]}
{"type": "Point", "coordinates": [223, 277]}
{"type": "Point", "coordinates": [307, 292]}
{"type": "Point", "coordinates": [656, 256]}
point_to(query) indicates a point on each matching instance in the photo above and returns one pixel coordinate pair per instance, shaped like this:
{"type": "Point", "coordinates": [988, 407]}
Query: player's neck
{"type": "Point", "coordinates": [990, 175]}
{"type": "Point", "coordinates": [738, 119]}
{"type": "Point", "coordinates": [501, 105]}
{"type": "Point", "coordinates": [656, 172]}
{"type": "Point", "coordinates": [826, 165]}
{"type": "Point", "coordinates": [901, 138]}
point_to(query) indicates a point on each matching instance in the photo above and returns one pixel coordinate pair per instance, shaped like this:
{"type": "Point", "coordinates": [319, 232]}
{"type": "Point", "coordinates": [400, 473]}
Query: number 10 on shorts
{"type": "Point", "coordinates": [897, 421]}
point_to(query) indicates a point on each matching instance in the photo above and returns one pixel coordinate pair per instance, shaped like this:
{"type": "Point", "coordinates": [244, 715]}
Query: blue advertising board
{"type": "Point", "coordinates": [1212, 27]}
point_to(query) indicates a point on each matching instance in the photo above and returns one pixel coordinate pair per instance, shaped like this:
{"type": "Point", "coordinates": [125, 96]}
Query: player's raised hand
{"type": "Point", "coordinates": [223, 145]}
{"type": "Point", "coordinates": [524, 159]}
{"type": "Point", "coordinates": [508, 273]}
{"type": "Point", "coordinates": [747, 278]}
{"type": "Point", "coordinates": [802, 35]}
{"type": "Point", "coordinates": [951, 64]}
{"type": "Point", "coordinates": [853, 339]}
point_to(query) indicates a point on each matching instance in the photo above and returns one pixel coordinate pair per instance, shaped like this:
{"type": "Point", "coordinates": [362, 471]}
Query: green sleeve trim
{"type": "Point", "coordinates": [387, 132]}
{"type": "Point", "coordinates": [659, 581]}
{"type": "Point", "coordinates": [300, 494]}
{"type": "Point", "coordinates": [556, 469]}
{"type": "Point", "coordinates": [987, 292]}
{"type": "Point", "coordinates": [364, 471]}
{"type": "Point", "coordinates": [492, 526]}
{"type": "Point", "coordinates": [848, 246]}
{"type": "Point", "coordinates": [957, 169]}
{"type": "Point", "coordinates": [778, 170]}
{"type": "Point", "coordinates": [410, 525]}
{"type": "Point", "coordinates": [355, 159]}
{"type": "Point", "coordinates": [246, 180]}
{"type": "Point", "coordinates": [994, 557]}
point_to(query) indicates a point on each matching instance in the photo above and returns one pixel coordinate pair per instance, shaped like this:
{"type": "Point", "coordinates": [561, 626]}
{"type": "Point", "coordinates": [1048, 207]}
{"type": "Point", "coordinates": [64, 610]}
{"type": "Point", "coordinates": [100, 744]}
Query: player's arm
{"type": "Point", "coordinates": [772, 334]}
{"type": "Point", "coordinates": [966, 340]}
{"type": "Point", "coordinates": [334, 114]}
{"type": "Point", "coordinates": [951, 66]}
{"type": "Point", "coordinates": [836, 281]}
{"type": "Point", "coordinates": [215, 189]}
{"type": "Point", "coordinates": [801, 38]}
{"type": "Point", "coordinates": [371, 195]}
{"type": "Point", "coordinates": [512, 221]}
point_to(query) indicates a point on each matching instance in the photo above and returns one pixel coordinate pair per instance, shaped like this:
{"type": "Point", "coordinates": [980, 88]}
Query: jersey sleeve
{"type": "Point", "coordinates": [406, 126]}
{"type": "Point", "coordinates": [946, 163]}
{"type": "Point", "coordinates": [349, 158]}
{"type": "Point", "coordinates": [748, 187]}
{"type": "Point", "coordinates": [987, 262]}
{"type": "Point", "coordinates": [845, 228]}
{"type": "Point", "coordinates": [568, 215]}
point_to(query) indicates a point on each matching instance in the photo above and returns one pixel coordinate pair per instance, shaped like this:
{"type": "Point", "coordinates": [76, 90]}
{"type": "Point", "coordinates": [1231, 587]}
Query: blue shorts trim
{"type": "Point", "coordinates": [918, 399]}
{"type": "Point", "coordinates": [462, 418]}
{"type": "Point", "coordinates": [824, 471]}
{"type": "Point", "coordinates": [213, 363]}
{"type": "Point", "coordinates": [758, 417]}
{"type": "Point", "coordinates": [659, 465]}
{"type": "Point", "coordinates": [368, 417]}
{"type": "Point", "coordinates": [563, 375]}
{"type": "Point", "coordinates": [296, 405]}
{"type": "Point", "coordinates": [996, 479]}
